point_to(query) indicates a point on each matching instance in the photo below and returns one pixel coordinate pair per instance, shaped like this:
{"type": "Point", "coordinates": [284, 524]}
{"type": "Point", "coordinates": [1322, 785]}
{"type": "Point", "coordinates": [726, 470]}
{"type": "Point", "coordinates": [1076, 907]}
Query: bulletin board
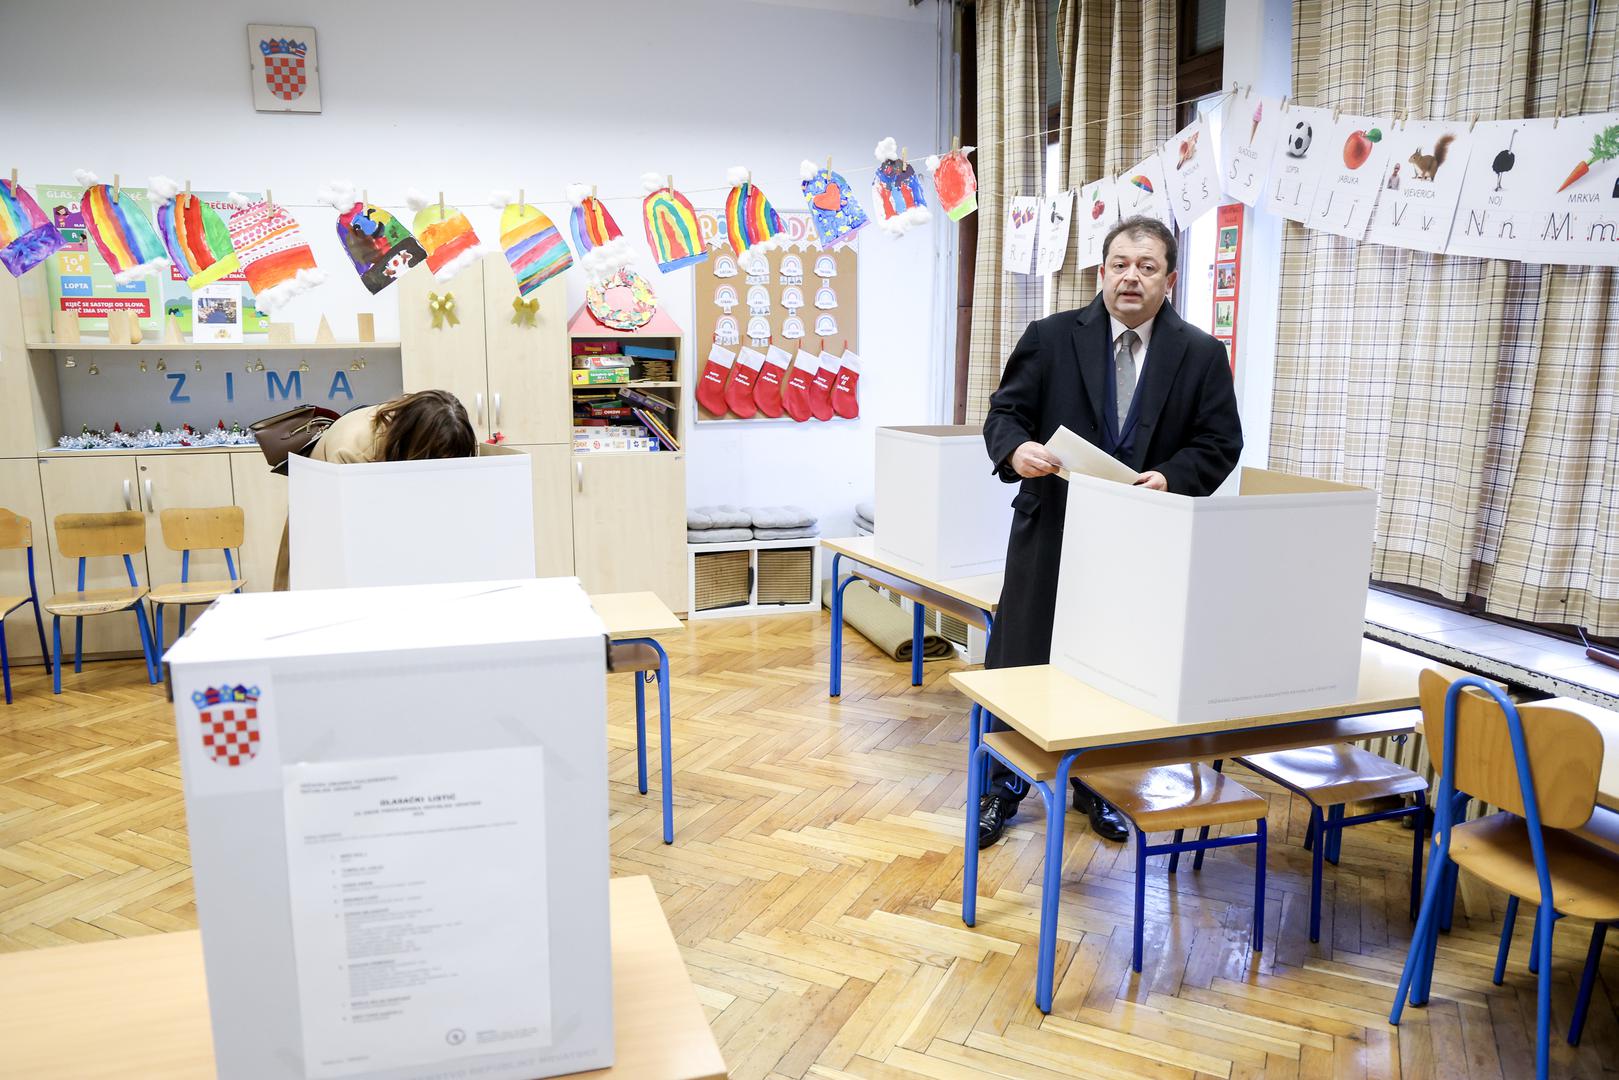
{"type": "Point", "coordinates": [731, 301]}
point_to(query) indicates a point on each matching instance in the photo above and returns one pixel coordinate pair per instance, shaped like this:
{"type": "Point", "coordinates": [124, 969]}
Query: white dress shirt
{"type": "Point", "coordinates": [1138, 351]}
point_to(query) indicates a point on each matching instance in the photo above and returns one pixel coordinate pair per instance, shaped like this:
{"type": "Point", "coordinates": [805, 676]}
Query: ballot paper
{"type": "Point", "coordinates": [419, 908]}
{"type": "Point", "coordinates": [1086, 458]}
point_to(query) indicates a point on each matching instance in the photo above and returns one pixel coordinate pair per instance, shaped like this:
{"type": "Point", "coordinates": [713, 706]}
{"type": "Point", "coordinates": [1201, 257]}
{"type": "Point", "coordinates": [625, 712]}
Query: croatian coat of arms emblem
{"type": "Point", "coordinates": [230, 723]}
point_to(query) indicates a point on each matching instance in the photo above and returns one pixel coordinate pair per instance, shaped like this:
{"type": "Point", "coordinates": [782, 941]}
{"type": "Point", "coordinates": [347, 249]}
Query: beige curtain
{"type": "Point", "coordinates": [1008, 162]}
{"type": "Point", "coordinates": [1117, 60]}
{"type": "Point", "coordinates": [1477, 395]}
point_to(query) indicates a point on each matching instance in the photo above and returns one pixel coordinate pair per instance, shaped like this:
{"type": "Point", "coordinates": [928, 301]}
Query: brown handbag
{"type": "Point", "coordinates": [295, 431]}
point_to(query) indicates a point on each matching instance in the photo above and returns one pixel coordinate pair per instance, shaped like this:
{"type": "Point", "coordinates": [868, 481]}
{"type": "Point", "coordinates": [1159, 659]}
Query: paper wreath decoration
{"type": "Point", "coordinates": [274, 256]}
{"type": "Point", "coordinates": [897, 192]}
{"type": "Point", "coordinates": [837, 216]}
{"type": "Point", "coordinates": [750, 220]}
{"type": "Point", "coordinates": [27, 236]}
{"type": "Point", "coordinates": [671, 225]}
{"type": "Point", "coordinates": [195, 236]}
{"type": "Point", "coordinates": [534, 249]}
{"type": "Point", "coordinates": [378, 244]}
{"type": "Point", "coordinates": [623, 300]}
{"type": "Point", "coordinates": [445, 234]}
{"type": "Point", "coordinates": [122, 234]}
{"type": "Point", "coordinates": [597, 241]}
{"type": "Point", "coordinates": [955, 182]}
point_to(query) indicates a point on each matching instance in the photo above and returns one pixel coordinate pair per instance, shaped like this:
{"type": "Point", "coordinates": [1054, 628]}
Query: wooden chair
{"type": "Point", "coordinates": [646, 659]}
{"type": "Point", "coordinates": [1330, 778]}
{"type": "Point", "coordinates": [93, 536]}
{"type": "Point", "coordinates": [188, 530]}
{"type": "Point", "coordinates": [16, 532]}
{"type": "Point", "coordinates": [1176, 798]}
{"type": "Point", "coordinates": [1541, 766]}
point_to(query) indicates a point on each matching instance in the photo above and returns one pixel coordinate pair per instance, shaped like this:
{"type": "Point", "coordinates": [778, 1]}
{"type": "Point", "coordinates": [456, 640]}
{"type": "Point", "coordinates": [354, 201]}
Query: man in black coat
{"type": "Point", "coordinates": [1128, 375]}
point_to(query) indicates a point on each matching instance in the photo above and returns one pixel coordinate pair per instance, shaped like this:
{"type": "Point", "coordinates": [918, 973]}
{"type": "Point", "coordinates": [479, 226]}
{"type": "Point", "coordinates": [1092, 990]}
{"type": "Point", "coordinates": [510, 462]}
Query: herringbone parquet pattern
{"type": "Point", "coordinates": [815, 887]}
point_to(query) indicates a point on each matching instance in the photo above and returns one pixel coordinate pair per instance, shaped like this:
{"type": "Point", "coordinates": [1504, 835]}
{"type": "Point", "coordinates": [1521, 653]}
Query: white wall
{"type": "Point", "coordinates": [473, 96]}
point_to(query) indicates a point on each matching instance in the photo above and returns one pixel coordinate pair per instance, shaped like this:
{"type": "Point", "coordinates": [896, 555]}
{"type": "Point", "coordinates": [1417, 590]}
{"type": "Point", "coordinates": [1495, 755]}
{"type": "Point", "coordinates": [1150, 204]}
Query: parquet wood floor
{"type": "Point", "coordinates": [815, 888]}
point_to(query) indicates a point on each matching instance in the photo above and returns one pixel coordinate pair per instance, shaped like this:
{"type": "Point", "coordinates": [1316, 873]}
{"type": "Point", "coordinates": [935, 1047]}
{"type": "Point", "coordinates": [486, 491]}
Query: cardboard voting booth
{"type": "Point", "coordinates": [1199, 610]}
{"type": "Point", "coordinates": [411, 522]}
{"type": "Point", "coordinates": [397, 806]}
{"type": "Point", "coordinates": [941, 511]}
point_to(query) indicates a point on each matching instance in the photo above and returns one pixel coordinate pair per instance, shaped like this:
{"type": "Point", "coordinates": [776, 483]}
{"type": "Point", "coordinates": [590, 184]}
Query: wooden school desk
{"type": "Point", "coordinates": [1056, 719]}
{"type": "Point", "coordinates": [139, 1007]}
{"type": "Point", "coordinates": [971, 599]}
{"type": "Point", "coordinates": [632, 619]}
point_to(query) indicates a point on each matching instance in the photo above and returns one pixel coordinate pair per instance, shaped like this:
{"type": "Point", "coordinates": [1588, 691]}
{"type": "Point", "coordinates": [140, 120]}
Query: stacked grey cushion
{"type": "Point", "coordinates": [731, 525]}
{"type": "Point", "coordinates": [865, 517]}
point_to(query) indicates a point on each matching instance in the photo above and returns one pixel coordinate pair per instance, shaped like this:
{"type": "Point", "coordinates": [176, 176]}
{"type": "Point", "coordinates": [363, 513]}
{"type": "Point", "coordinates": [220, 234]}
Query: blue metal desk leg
{"type": "Point", "coordinates": [56, 654]}
{"type": "Point", "coordinates": [969, 865]}
{"type": "Point", "coordinates": [667, 752]}
{"type": "Point", "coordinates": [640, 730]}
{"type": "Point", "coordinates": [1054, 791]}
{"type": "Point", "coordinates": [918, 615]}
{"type": "Point", "coordinates": [834, 684]}
{"type": "Point", "coordinates": [5, 662]}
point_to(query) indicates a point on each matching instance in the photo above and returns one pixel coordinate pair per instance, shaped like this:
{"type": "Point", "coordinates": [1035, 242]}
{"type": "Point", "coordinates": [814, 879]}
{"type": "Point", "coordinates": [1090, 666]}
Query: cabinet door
{"type": "Point", "coordinates": [449, 356]}
{"type": "Point", "coordinates": [19, 493]}
{"type": "Point", "coordinates": [553, 509]}
{"type": "Point", "coordinates": [175, 480]}
{"type": "Point", "coordinates": [93, 485]}
{"type": "Point", "coordinates": [629, 524]}
{"type": "Point", "coordinates": [262, 495]}
{"type": "Point", "coordinates": [530, 399]}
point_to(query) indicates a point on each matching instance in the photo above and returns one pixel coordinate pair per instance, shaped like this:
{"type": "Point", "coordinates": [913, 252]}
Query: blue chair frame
{"type": "Point", "coordinates": [1324, 841]}
{"type": "Point", "coordinates": [185, 578]}
{"type": "Point", "coordinates": [139, 607]}
{"type": "Point", "coordinates": [39, 625]}
{"type": "Point", "coordinates": [664, 751]}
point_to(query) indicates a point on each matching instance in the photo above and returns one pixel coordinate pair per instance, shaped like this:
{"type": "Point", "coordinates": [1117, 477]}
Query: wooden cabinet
{"type": "Point", "coordinates": [262, 495]}
{"type": "Point", "coordinates": [449, 356]}
{"type": "Point", "coordinates": [93, 484]}
{"type": "Point", "coordinates": [175, 480]}
{"type": "Point", "coordinates": [553, 509]}
{"type": "Point", "coordinates": [19, 493]}
{"type": "Point", "coordinates": [528, 365]}
{"type": "Point", "coordinates": [626, 509]}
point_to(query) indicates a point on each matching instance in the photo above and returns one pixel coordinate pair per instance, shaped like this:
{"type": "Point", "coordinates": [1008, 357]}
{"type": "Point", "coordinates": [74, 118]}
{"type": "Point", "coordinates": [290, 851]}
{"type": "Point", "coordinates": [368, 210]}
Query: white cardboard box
{"type": "Point", "coordinates": [475, 675]}
{"type": "Point", "coordinates": [411, 522]}
{"type": "Point", "coordinates": [941, 511]}
{"type": "Point", "coordinates": [1203, 609]}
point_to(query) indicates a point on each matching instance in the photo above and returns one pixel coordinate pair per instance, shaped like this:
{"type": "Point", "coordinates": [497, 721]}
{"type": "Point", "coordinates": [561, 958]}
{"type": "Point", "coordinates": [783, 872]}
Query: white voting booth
{"type": "Point", "coordinates": [411, 522]}
{"type": "Point", "coordinates": [397, 805]}
{"type": "Point", "coordinates": [941, 511]}
{"type": "Point", "coordinates": [1204, 609]}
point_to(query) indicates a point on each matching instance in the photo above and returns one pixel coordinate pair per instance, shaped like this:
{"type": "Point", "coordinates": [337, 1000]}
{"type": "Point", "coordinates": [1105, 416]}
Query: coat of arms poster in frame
{"type": "Point", "coordinates": [285, 68]}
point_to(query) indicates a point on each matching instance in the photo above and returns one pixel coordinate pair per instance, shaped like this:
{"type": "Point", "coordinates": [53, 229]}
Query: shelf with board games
{"type": "Point", "coordinates": [628, 386]}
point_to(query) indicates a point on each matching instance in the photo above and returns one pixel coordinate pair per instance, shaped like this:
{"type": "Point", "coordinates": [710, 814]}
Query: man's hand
{"type": "Point", "coordinates": [1153, 481]}
{"type": "Point", "coordinates": [1032, 459]}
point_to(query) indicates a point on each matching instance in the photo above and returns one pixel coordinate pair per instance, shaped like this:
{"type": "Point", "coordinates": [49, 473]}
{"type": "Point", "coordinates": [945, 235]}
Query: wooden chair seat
{"type": "Point", "coordinates": [195, 592]}
{"type": "Point", "coordinates": [1585, 878]}
{"type": "Point", "coordinates": [1336, 774]}
{"type": "Point", "coordinates": [1602, 830]}
{"type": "Point", "coordinates": [94, 601]}
{"type": "Point", "coordinates": [9, 604]}
{"type": "Point", "coordinates": [1177, 797]}
{"type": "Point", "coordinates": [631, 656]}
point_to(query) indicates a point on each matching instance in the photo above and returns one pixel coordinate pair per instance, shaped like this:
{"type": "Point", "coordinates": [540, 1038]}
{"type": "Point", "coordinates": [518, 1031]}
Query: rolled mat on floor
{"type": "Point", "coordinates": [885, 624]}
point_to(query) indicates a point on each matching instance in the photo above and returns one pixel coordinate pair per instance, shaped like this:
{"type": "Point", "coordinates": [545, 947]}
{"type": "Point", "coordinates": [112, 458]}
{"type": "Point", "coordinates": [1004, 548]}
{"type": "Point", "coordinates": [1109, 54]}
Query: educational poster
{"type": "Point", "coordinates": [1098, 212]}
{"type": "Point", "coordinates": [1227, 277]}
{"type": "Point", "coordinates": [1249, 129]}
{"type": "Point", "coordinates": [1496, 205]}
{"type": "Point", "coordinates": [1051, 245]}
{"type": "Point", "coordinates": [79, 279]}
{"type": "Point", "coordinates": [1427, 161]}
{"type": "Point", "coordinates": [1191, 171]}
{"type": "Point", "coordinates": [1021, 228]}
{"type": "Point", "coordinates": [1577, 188]}
{"type": "Point", "coordinates": [1297, 165]}
{"type": "Point", "coordinates": [1144, 190]}
{"type": "Point", "coordinates": [1353, 164]}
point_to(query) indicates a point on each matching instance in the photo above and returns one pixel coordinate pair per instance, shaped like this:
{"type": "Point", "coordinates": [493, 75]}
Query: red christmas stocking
{"type": "Point", "coordinates": [821, 391]}
{"type": "Point", "coordinates": [845, 397]}
{"type": "Point", "coordinates": [744, 374]}
{"type": "Point", "coordinates": [800, 385]}
{"type": "Point", "coordinates": [767, 391]}
{"type": "Point", "coordinates": [711, 387]}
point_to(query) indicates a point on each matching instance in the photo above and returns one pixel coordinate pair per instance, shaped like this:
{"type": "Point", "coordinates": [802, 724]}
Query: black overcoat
{"type": "Point", "coordinates": [1060, 374]}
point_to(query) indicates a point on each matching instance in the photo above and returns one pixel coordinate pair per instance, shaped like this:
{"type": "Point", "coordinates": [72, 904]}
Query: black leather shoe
{"type": "Point", "coordinates": [994, 811]}
{"type": "Point", "coordinates": [1106, 822]}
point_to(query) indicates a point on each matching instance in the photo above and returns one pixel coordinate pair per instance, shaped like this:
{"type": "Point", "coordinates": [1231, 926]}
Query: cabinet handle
{"type": "Point", "coordinates": [497, 409]}
{"type": "Point", "coordinates": [129, 496]}
{"type": "Point", "coordinates": [579, 472]}
{"type": "Point", "coordinates": [150, 505]}
{"type": "Point", "coordinates": [479, 399]}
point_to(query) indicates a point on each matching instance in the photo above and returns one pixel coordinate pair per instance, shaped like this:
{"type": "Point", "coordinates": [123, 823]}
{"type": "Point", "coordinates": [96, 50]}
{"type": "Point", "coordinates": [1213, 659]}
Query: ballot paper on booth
{"type": "Point", "coordinates": [942, 512]}
{"type": "Point", "coordinates": [1205, 609]}
{"type": "Point", "coordinates": [410, 522]}
{"type": "Point", "coordinates": [397, 808]}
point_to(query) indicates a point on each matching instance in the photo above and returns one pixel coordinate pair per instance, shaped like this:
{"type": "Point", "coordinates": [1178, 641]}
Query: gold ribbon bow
{"type": "Point", "coordinates": [443, 309]}
{"type": "Point", "coordinates": [524, 311]}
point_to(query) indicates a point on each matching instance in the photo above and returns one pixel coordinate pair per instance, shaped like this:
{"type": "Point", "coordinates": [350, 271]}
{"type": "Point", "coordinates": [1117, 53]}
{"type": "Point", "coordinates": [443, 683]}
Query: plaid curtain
{"type": "Point", "coordinates": [1118, 102]}
{"type": "Point", "coordinates": [1472, 393]}
{"type": "Point", "coordinates": [1011, 146]}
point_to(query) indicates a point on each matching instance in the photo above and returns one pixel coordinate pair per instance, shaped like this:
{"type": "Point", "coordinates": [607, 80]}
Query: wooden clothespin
{"type": "Point", "coordinates": [1473, 125]}
{"type": "Point", "coordinates": [365, 196]}
{"type": "Point", "coordinates": [1248, 92]}
{"type": "Point", "coordinates": [269, 198]}
{"type": "Point", "coordinates": [1336, 110]}
{"type": "Point", "coordinates": [1284, 102]}
{"type": "Point", "coordinates": [1558, 119]}
{"type": "Point", "coordinates": [592, 191]}
{"type": "Point", "coordinates": [117, 187]}
{"type": "Point", "coordinates": [829, 163]}
{"type": "Point", "coordinates": [669, 181]}
{"type": "Point", "coordinates": [188, 188]}
{"type": "Point", "coordinates": [904, 155]}
{"type": "Point", "coordinates": [13, 179]}
{"type": "Point", "coordinates": [441, 205]}
{"type": "Point", "coordinates": [519, 200]}
{"type": "Point", "coordinates": [955, 143]}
